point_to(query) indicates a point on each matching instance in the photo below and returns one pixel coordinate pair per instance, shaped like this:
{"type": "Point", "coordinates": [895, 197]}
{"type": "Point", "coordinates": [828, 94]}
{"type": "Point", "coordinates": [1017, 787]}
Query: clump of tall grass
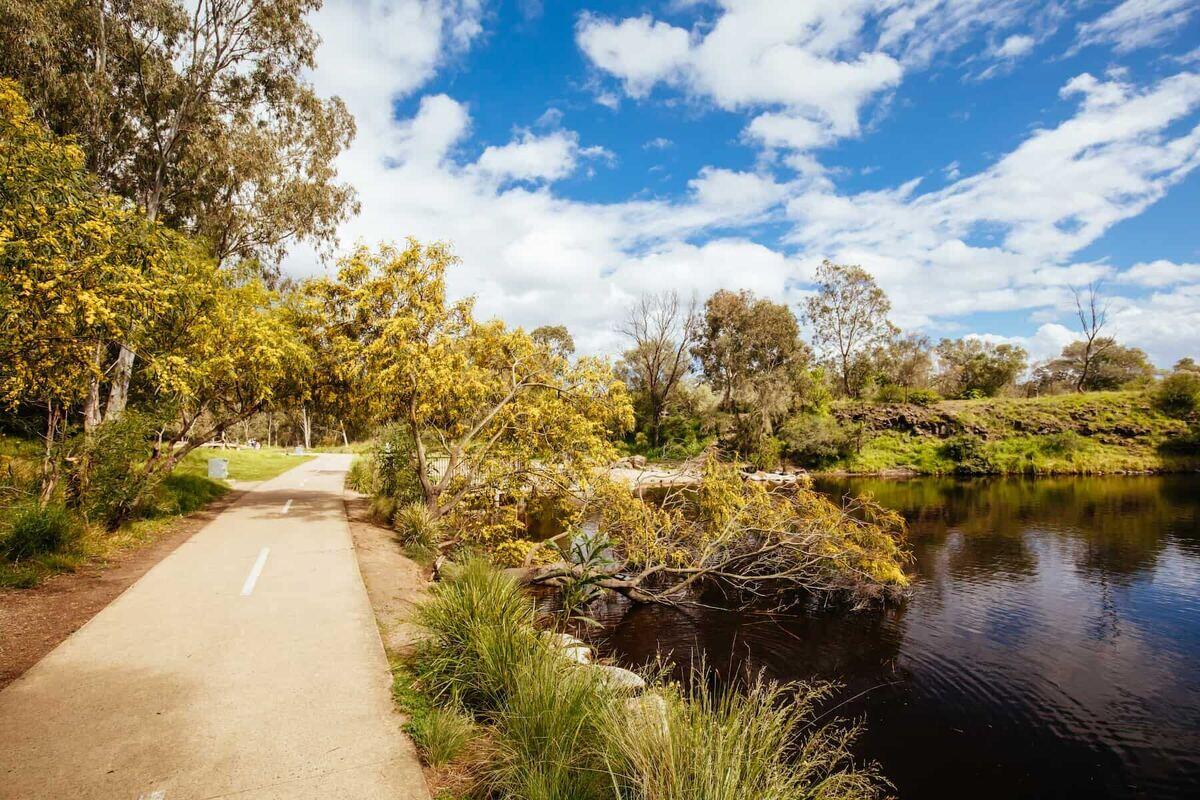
{"type": "Point", "coordinates": [32, 529]}
{"type": "Point", "coordinates": [417, 526]}
{"type": "Point", "coordinates": [558, 731]}
{"type": "Point", "coordinates": [740, 742]}
{"type": "Point", "coordinates": [548, 733]}
{"type": "Point", "coordinates": [481, 627]}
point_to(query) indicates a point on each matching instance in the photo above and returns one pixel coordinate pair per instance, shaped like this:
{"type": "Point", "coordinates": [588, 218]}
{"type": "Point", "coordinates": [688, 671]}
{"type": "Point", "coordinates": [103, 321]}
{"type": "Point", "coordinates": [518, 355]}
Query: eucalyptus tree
{"type": "Point", "coordinates": [196, 111]}
{"type": "Point", "coordinates": [848, 316]}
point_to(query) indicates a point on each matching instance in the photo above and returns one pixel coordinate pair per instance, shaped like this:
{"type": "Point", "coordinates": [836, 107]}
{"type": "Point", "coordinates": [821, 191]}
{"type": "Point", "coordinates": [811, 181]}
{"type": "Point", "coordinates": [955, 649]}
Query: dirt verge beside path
{"type": "Point", "coordinates": [394, 583]}
{"type": "Point", "coordinates": [34, 621]}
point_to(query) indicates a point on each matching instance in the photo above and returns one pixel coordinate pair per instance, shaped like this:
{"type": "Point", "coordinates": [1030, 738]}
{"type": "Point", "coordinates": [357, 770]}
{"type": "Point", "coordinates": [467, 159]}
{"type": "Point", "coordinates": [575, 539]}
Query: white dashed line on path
{"type": "Point", "coordinates": [255, 571]}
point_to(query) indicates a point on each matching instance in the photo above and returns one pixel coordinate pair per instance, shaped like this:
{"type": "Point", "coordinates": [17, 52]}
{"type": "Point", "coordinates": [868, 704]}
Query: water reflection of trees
{"type": "Point", "coordinates": [1116, 526]}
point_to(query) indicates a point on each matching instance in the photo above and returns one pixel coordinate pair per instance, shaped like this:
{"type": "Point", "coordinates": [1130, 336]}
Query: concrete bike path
{"type": "Point", "coordinates": [246, 664]}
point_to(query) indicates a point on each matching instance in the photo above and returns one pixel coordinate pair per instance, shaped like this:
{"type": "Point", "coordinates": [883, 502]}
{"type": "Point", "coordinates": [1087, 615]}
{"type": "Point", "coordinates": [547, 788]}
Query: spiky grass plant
{"type": "Point", "coordinates": [481, 627]}
{"type": "Point", "coordinates": [754, 741]}
{"type": "Point", "coordinates": [417, 526]}
{"type": "Point", "coordinates": [548, 733]}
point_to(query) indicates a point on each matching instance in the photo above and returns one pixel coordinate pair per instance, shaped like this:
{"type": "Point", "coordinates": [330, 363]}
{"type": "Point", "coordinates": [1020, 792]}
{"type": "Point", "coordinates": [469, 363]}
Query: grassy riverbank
{"type": "Point", "coordinates": [1092, 433]}
{"type": "Point", "coordinates": [59, 540]}
{"type": "Point", "coordinates": [500, 710]}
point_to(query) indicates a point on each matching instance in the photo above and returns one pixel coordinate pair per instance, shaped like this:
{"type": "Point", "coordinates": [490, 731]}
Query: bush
{"type": "Point", "coordinates": [440, 734]}
{"type": "Point", "coordinates": [33, 530]}
{"type": "Point", "coordinates": [815, 440]}
{"type": "Point", "coordinates": [969, 454]}
{"type": "Point", "coordinates": [480, 624]}
{"type": "Point", "coordinates": [416, 526]}
{"type": "Point", "coordinates": [1179, 394]}
{"type": "Point", "coordinates": [730, 745]}
{"type": "Point", "coordinates": [394, 466]}
{"type": "Point", "coordinates": [890, 393]}
{"type": "Point", "coordinates": [766, 454]}
{"type": "Point", "coordinates": [111, 483]}
{"type": "Point", "coordinates": [548, 730]}
{"type": "Point", "coordinates": [924, 397]}
{"type": "Point", "coordinates": [361, 476]}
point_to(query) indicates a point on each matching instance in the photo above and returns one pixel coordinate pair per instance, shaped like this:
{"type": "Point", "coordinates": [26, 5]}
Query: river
{"type": "Point", "coordinates": [1050, 647]}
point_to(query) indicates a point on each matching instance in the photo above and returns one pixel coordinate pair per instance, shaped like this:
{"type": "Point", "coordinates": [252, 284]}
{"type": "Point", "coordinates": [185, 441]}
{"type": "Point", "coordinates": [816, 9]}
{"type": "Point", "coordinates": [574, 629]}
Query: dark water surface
{"type": "Point", "coordinates": [1051, 646]}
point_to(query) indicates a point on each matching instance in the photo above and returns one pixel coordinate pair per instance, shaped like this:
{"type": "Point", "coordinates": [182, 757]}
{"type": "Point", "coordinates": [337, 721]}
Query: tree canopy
{"type": "Point", "coordinates": [490, 409]}
{"type": "Point", "coordinates": [848, 314]}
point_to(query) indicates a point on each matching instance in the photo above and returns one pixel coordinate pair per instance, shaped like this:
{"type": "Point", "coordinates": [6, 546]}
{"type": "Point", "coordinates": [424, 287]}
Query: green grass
{"type": "Point", "coordinates": [186, 490]}
{"type": "Point", "coordinates": [1082, 434]}
{"type": "Point", "coordinates": [546, 728]}
{"type": "Point", "coordinates": [244, 465]}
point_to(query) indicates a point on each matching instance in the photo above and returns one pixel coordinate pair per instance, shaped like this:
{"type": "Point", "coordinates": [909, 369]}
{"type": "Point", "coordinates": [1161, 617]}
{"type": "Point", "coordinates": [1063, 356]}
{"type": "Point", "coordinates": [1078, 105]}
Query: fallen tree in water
{"type": "Point", "coordinates": [752, 541]}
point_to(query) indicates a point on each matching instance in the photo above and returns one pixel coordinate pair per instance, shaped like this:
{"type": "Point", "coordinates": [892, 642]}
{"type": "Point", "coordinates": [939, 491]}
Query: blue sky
{"type": "Point", "coordinates": [980, 157]}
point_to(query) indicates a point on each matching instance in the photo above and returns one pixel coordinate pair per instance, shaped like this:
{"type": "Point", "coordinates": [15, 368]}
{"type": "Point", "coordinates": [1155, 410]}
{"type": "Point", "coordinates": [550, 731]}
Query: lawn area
{"type": "Point", "coordinates": [185, 491]}
{"type": "Point", "coordinates": [244, 465]}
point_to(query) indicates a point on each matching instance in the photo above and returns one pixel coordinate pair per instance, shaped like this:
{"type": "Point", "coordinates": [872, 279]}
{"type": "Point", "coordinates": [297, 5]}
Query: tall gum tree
{"type": "Point", "coordinates": [848, 315]}
{"type": "Point", "coordinates": [197, 112]}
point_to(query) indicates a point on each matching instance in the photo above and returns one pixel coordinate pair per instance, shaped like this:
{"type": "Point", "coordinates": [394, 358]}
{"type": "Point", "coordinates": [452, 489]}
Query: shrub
{"type": "Point", "coordinates": [1179, 394]}
{"type": "Point", "coordinates": [33, 530]}
{"type": "Point", "coordinates": [361, 476]}
{"type": "Point", "coordinates": [766, 454]}
{"type": "Point", "coordinates": [890, 393]}
{"type": "Point", "coordinates": [815, 440]}
{"type": "Point", "coordinates": [417, 526]}
{"type": "Point", "coordinates": [111, 482]}
{"type": "Point", "coordinates": [393, 463]}
{"type": "Point", "coordinates": [924, 397]}
{"type": "Point", "coordinates": [969, 454]}
{"type": "Point", "coordinates": [548, 731]}
{"type": "Point", "coordinates": [730, 745]}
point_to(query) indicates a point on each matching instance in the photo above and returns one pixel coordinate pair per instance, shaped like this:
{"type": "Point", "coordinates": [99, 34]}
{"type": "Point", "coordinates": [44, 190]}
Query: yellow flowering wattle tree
{"type": "Point", "coordinates": [493, 413]}
{"type": "Point", "coordinates": [77, 271]}
{"type": "Point", "coordinates": [85, 277]}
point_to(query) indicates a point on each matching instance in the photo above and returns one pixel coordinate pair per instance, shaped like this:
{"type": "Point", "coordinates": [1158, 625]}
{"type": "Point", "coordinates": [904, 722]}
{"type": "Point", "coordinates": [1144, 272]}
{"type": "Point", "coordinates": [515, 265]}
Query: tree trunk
{"type": "Point", "coordinates": [49, 478]}
{"type": "Point", "coordinates": [118, 392]}
{"type": "Point", "coordinates": [306, 426]}
{"type": "Point", "coordinates": [345, 439]}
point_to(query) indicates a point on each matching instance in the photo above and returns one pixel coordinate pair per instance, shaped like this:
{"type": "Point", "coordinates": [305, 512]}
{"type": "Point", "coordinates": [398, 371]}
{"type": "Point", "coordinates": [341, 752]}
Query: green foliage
{"type": "Point", "coordinates": [361, 475]}
{"type": "Point", "coordinates": [441, 734]}
{"type": "Point", "coordinates": [767, 453]}
{"type": "Point", "coordinates": [969, 454]}
{"type": "Point", "coordinates": [756, 741]}
{"type": "Point", "coordinates": [480, 624]}
{"type": "Point", "coordinates": [30, 530]}
{"type": "Point", "coordinates": [417, 526]}
{"type": "Point", "coordinates": [393, 465]}
{"type": "Point", "coordinates": [972, 368]}
{"type": "Point", "coordinates": [1179, 394]}
{"type": "Point", "coordinates": [548, 730]}
{"type": "Point", "coordinates": [815, 440]}
{"type": "Point", "coordinates": [557, 731]}
{"type": "Point", "coordinates": [112, 475]}
{"type": "Point", "coordinates": [923, 397]}
{"type": "Point", "coordinates": [848, 316]}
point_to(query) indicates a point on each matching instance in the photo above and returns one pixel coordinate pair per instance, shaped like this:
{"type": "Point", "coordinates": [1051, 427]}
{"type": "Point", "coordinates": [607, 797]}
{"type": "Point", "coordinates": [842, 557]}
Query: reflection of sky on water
{"type": "Point", "coordinates": [1052, 642]}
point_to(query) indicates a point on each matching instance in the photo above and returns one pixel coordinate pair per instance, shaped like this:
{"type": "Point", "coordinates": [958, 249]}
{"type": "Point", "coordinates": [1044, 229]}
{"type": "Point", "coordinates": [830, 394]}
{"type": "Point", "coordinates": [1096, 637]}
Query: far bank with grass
{"type": "Point", "coordinates": [1083, 434]}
